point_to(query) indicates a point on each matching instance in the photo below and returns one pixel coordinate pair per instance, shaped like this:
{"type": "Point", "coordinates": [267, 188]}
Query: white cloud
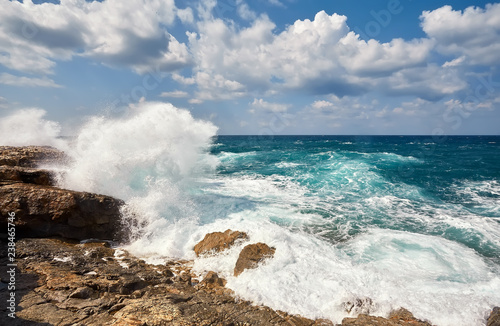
{"type": "Point", "coordinates": [8, 79]}
{"type": "Point", "coordinates": [473, 32]}
{"type": "Point", "coordinates": [244, 11]}
{"type": "Point", "coordinates": [320, 56]}
{"type": "Point", "coordinates": [322, 104]}
{"type": "Point", "coordinates": [185, 15]}
{"type": "Point", "coordinates": [114, 32]}
{"type": "Point", "coordinates": [259, 105]}
{"type": "Point", "coordinates": [177, 94]}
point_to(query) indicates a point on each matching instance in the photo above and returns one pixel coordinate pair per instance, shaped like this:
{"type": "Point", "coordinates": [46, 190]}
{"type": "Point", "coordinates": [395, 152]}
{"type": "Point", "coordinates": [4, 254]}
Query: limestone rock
{"type": "Point", "coordinates": [44, 211]}
{"type": "Point", "coordinates": [13, 174]}
{"type": "Point", "coordinates": [494, 318]}
{"type": "Point", "coordinates": [400, 317]}
{"type": "Point", "coordinates": [73, 287]}
{"type": "Point", "coordinates": [30, 156]}
{"type": "Point", "coordinates": [251, 255]}
{"type": "Point", "coordinates": [212, 280]}
{"type": "Point", "coordinates": [218, 241]}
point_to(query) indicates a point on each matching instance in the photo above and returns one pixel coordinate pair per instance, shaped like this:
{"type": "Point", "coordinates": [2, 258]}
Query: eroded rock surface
{"type": "Point", "coordinates": [30, 156]}
{"type": "Point", "coordinates": [69, 283]}
{"type": "Point", "coordinates": [43, 210]}
{"type": "Point", "coordinates": [218, 241]}
{"type": "Point", "coordinates": [494, 318]}
{"type": "Point", "coordinates": [400, 317]}
{"type": "Point", "coordinates": [251, 256]}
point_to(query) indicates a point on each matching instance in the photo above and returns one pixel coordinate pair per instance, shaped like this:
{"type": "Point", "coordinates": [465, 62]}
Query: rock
{"type": "Point", "coordinates": [212, 280]}
{"type": "Point", "coordinates": [359, 306]}
{"type": "Point", "coordinates": [30, 156]}
{"type": "Point", "coordinates": [218, 241]}
{"type": "Point", "coordinates": [73, 287]}
{"type": "Point", "coordinates": [400, 317]}
{"type": "Point", "coordinates": [251, 255]}
{"type": "Point", "coordinates": [13, 174]}
{"type": "Point", "coordinates": [44, 211]}
{"type": "Point", "coordinates": [494, 318]}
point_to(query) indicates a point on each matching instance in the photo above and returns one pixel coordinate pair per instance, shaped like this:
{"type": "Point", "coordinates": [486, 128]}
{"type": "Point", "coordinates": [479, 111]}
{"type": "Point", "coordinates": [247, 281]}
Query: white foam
{"type": "Point", "coordinates": [434, 278]}
{"type": "Point", "coordinates": [28, 127]}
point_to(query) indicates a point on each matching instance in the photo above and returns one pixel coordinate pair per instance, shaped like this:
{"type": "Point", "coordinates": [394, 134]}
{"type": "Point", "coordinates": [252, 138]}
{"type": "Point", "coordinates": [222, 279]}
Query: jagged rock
{"type": "Point", "coordinates": [251, 255]}
{"type": "Point", "coordinates": [218, 241]}
{"type": "Point", "coordinates": [44, 211]}
{"type": "Point", "coordinates": [30, 156]}
{"type": "Point", "coordinates": [212, 280]}
{"type": "Point", "coordinates": [73, 287]}
{"type": "Point", "coordinates": [400, 317]}
{"type": "Point", "coordinates": [494, 318]}
{"type": "Point", "coordinates": [14, 174]}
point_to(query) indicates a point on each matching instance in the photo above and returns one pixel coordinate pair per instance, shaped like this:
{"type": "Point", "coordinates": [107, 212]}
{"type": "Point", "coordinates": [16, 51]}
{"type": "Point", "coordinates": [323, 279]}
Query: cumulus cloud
{"type": "Point", "coordinates": [473, 33]}
{"type": "Point", "coordinates": [319, 56]}
{"type": "Point", "coordinates": [8, 79]}
{"type": "Point", "coordinates": [116, 33]}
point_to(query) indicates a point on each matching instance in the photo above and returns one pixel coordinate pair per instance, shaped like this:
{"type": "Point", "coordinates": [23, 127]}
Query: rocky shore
{"type": "Point", "coordinates": [63, 278]}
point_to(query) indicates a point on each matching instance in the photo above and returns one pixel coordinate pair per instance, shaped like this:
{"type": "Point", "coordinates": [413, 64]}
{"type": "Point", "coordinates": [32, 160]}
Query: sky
{"type": "Point", "coordinates": [261, 67]}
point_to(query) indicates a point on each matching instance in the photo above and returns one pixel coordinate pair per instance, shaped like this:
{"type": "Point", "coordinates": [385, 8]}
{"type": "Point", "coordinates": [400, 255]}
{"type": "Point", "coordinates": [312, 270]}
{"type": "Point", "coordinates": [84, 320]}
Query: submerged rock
{"type": "Point", "coordinates": [218, 241]}
{"type": "Point", "coordinates": [251, 255]}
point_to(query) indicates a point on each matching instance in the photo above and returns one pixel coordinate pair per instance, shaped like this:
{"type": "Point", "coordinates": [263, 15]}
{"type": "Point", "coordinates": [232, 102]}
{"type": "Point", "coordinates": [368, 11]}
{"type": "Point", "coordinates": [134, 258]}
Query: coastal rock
{"type": "Point", "coordinates": [400, 317]}
{"type": "Point", "coordinates": [494, 318]}
{"type": "Point", "coordinates": [71, 283]}
{"type": "Point", "coordinates": [359, 306]}
{"type": "Point", "coordinates": [251, 255]}
{"type": "Point", "coordinates": [14, 174]}
{"type": "Point", "coordinates": [44, 211]}
{"type": "Point", "coordinates": [30, 156]}
{"type": "Point", "coordinates": [212, 280]}
{"type": "Point", "coordinates": [218, 241]}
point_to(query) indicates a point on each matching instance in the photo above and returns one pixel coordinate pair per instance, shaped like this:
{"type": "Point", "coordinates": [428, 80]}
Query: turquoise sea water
{"type": "Point", "coordinates": [405, 221]}
{"type": "Point", "coordinates": [355, 183]}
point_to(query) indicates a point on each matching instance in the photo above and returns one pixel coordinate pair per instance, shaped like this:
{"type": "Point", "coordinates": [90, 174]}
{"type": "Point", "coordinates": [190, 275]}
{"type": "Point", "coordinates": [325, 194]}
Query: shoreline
{"type": "Point", "coordinates": [65, 282]}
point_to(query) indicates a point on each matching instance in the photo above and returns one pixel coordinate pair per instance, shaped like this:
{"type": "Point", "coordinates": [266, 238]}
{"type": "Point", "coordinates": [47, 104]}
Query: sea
{"type": "Point", "coordinates": [361, 224]}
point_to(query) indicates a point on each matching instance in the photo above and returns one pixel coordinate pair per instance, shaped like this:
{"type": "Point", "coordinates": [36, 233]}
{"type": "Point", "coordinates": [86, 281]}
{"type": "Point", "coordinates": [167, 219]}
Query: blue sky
{"type": "Point", "coordinates": [260, 67]}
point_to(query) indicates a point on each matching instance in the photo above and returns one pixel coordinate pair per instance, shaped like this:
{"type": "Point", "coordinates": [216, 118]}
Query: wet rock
{"type": "Point", "coordinates": [74, 288]}
{"type": "Point", "coordinates": [30, 156]}
{"type": "Point", "coordinates": [251, 255]}
{"type": "Point", "coordinates": [494, 318]}
{"type": "Point", "coordinates": [218, 241]}
{"type": "Point", "coordinates": [359, 306]}
{"type": "Point", "coordinates": [400, 317]}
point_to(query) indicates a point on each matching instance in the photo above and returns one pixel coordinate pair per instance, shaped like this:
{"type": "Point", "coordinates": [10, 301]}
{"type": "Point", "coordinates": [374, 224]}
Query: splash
{"type": "Point", "coordinates": [28, 127]}
{"type": "Point", "coordinates": [149, 158]}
